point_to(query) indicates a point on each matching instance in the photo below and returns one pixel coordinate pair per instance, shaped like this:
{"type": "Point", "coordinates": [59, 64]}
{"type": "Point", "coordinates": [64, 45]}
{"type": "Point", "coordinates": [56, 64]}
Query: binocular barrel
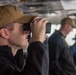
{"type": "Point", "coordinates": [26, 27]}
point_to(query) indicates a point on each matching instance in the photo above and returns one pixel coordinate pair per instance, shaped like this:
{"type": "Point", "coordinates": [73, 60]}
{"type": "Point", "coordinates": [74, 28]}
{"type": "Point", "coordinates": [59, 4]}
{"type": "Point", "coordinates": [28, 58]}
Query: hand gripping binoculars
{"type": "Point", "coordinates": [26, 27]}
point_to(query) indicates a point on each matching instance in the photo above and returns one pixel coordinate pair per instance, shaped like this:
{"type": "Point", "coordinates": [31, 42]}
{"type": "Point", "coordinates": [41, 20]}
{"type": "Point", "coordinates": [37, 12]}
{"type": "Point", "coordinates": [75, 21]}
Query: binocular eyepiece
{"type": "Point", "coordinates": [26, 27]}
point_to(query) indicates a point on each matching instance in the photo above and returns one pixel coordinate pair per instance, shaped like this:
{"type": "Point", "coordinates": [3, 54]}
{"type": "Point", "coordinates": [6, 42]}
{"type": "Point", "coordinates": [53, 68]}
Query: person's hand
{"type": "Point", "coordinates": [38, 29]}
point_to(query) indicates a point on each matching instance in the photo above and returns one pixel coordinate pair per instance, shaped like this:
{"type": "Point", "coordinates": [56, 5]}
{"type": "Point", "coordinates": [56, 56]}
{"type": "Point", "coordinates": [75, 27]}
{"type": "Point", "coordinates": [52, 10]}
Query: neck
{"type": "Point", "coordinates": [63, 32]}
{"type": "Point", "coordinates": [5, 42]}
{"type": "Point", "coordinates": [14, 51]}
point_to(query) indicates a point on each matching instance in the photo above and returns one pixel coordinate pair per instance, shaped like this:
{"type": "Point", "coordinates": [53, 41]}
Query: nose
{"type": "Point", "coordinates": [27, 32]}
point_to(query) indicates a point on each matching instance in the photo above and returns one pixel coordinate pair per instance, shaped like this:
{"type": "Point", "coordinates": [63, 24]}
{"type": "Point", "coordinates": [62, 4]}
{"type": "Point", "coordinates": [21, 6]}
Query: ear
{"type": "Point", "coordinates": [4, 33]}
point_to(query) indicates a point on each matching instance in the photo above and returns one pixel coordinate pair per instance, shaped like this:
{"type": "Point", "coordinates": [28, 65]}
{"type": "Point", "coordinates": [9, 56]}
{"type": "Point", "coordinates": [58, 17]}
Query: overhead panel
{"type": "Point", "coordinates": [69, 4]}
{"type": "Point", "coordinates": [60, 8]}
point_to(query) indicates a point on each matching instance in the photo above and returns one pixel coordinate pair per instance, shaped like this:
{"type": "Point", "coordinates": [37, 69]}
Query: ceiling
{"type": "Point", "coordinates": [53, 10]}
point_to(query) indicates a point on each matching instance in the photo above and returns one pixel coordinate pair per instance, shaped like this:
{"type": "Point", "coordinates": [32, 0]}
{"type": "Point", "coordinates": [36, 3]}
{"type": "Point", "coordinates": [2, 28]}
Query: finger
{"type": "Point", "coordinates": [36, 18]}
{"type": "Point", "coordinates": [43, 20]}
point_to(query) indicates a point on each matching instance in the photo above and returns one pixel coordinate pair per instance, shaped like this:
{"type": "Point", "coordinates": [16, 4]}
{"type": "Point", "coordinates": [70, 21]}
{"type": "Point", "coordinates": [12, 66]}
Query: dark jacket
{"type": "Point", "coordinates": [73, 48]}
{"type": "Point", "coordinates": [73, 51]}
{"type": "Point", "coordinates": [37, 61]}
{"type": "Point", "coordinates": [74, 57]}
{"type": "Point", "coordinates": [61, 61]}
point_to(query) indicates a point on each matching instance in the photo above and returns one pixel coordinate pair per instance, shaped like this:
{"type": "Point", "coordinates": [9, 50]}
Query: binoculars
{"type": "Point", "coordinates": [26, 27]}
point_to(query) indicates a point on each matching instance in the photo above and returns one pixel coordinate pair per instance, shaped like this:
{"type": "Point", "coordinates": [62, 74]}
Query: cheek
{"type": "Point", "coordinates": [69, 29]}
{"type": "Point", "coordinates": [23, 40]}
{"type": "Point", "coordinates": [18, 40]}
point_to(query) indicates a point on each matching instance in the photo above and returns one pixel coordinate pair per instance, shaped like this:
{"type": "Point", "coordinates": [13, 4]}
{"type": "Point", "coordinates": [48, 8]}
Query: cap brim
{"type": "Point", "coordinates": [25, 19]}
